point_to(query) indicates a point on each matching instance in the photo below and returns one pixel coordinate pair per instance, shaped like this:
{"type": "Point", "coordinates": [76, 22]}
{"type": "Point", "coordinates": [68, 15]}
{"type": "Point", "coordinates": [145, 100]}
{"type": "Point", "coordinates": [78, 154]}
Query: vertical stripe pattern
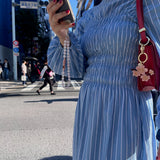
{"type": "Point", "coordinates": [113, 120]}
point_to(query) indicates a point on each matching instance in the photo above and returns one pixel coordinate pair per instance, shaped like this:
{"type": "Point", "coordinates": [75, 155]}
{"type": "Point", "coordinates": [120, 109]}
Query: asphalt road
{"type": "Point", "coordinates": [36, 127]}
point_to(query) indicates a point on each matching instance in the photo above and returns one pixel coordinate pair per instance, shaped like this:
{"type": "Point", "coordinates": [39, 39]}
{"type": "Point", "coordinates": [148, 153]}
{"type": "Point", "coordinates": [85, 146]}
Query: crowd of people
{"type": "Point", "coordinates": [30, 71]}
{"type": "Point", "coordinates": [34, 72]}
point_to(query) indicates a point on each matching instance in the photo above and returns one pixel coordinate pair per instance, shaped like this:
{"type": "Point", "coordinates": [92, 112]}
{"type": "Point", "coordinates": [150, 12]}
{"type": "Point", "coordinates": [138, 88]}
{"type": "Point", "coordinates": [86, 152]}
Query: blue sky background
{"type": "Point", "coordinates": [74, 6]}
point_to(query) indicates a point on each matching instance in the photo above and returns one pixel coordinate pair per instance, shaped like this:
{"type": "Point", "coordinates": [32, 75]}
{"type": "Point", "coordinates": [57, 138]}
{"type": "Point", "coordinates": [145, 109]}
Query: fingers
{"type": "Point", "coordinates": [51, 3]}
{"type": "Point", "coordinates": [53, 6]}
{"type": "Point", "coordinates": [54, 17]}
{"type": "Point", "coordinates": [66, 26]}
{"type": "Point", "coordinates": [58, 16]}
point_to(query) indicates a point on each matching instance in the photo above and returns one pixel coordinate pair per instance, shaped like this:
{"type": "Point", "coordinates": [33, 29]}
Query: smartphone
{"type": "Point", "coordinates": [66, 6]}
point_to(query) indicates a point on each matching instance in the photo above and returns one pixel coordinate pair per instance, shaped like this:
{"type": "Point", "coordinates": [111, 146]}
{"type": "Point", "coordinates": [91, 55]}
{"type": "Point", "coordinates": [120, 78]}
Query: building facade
{"type": "Point", "coordinates": [6, 32]}
{"type": "Point", "coordinates": [6, 47]}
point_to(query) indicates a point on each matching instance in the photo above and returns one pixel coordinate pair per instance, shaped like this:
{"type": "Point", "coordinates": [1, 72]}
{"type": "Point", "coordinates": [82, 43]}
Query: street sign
{"type": "Point", "coordinates": [15, 43]}
{"type": "Point", "coordinates": [16, 50]}
{"type": "Point", "coordinates": [28, 5]}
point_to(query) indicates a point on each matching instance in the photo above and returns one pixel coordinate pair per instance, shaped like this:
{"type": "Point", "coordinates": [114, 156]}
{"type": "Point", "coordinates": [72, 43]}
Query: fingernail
{"type": "Point", "coordinates": [54, 0]}
{"type": "Point", "coordinates": [60, 1]}
{"type": "Point", "coordinates": [73, 24]}
{"type": "Point", "coordinates": [67, 11]}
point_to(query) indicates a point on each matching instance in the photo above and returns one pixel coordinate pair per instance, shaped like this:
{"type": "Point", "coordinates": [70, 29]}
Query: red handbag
{"type": "Point", "coordinates": [148, 68]}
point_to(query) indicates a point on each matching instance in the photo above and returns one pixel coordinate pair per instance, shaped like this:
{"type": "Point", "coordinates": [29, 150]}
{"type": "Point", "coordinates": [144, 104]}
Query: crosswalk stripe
{"type": "Point", "coordinates": [30, 87]}
{"type": "Point", "coordinates": [75, 85]}
{"type": "Point", "coordinates": [60, 87]}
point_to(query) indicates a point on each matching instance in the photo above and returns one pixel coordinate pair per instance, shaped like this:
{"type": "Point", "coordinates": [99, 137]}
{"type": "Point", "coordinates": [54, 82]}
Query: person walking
{"type": "Point", "coordinates": [46, 74]}
{"type": "Point", "coordinates": [1, 63]}
{"type": "Point", "coordinates": [113, 119]}
{"type": "Point", "coordinates": [1, 69]}
{"type": "Point", "coordinates": [37, 70]}
{"type": "Point", "coordinates": [29, 72]}
{"type": "Point", "coordinates": [6, 69]}
{"type": "Point", "coordinates": [24, 72]}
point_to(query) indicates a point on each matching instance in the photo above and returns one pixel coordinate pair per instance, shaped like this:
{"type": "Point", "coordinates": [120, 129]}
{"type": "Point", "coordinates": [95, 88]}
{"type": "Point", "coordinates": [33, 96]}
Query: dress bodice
{"type": "Point", "coordinates": [110, 41]}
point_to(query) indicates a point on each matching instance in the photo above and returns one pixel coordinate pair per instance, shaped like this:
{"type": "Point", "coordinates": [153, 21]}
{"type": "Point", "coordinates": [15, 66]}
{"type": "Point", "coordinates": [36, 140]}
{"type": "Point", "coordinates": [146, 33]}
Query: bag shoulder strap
{"type": "Point", "coordinates": [142, 29]}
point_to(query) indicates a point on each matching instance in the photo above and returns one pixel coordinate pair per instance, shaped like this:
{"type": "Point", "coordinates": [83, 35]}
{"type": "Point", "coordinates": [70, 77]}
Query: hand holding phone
{"type": "Point", "coordinates": [66, 6]}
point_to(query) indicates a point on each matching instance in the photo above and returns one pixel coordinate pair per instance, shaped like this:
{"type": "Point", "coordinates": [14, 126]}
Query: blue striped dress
{"type": "Point", "coordinates": [113, 120]}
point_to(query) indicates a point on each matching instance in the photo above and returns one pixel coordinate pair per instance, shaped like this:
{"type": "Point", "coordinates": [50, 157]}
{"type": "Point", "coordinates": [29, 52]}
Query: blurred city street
{"type": "Point", "coordinates": [36, 127]}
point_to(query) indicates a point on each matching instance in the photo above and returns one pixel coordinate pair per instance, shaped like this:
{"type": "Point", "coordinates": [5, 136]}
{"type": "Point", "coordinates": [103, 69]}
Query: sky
{"type": "Point", "coordinates": [74, 6]}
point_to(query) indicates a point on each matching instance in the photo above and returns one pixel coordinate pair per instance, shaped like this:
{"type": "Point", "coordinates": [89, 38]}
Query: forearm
{"type": "Point", "coordinates": [55, 57]}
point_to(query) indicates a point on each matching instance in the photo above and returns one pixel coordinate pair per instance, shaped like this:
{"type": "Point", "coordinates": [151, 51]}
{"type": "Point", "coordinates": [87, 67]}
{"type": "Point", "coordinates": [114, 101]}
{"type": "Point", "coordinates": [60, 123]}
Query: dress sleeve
{"type": "Point", "coordinates": [152, 20]}
{"type": "Point", "coordinates": [55, 55]}
{"type": "Point", "coordinates": [152, 24]}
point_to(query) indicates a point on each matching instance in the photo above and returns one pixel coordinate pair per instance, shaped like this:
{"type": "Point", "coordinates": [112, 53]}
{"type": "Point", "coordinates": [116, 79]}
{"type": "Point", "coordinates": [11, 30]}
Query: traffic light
{"type": "Point", "coordinates": [43, 3]}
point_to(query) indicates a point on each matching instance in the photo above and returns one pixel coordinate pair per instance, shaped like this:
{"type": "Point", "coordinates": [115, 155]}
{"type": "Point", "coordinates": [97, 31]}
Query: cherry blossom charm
{"type": "Point", "coordinates": [145, 77]}
{"type": "Point", "coordinates": [142, 72]}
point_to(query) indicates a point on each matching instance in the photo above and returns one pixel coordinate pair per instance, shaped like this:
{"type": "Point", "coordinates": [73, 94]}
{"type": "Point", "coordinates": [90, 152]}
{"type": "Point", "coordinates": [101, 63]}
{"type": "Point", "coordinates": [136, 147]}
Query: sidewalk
{"type": "Point", "coordinates": [9, 86]}
{"type": "Point", "coordinates": [4, 85]}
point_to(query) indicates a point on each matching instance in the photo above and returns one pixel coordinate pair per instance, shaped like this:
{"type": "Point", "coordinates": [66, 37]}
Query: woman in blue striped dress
{"type": "Point", "coordinates": [113, 120]}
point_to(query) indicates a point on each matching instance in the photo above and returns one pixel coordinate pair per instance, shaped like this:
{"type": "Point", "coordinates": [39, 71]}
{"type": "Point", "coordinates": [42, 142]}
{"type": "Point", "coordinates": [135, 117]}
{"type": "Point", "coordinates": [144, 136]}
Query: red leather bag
{"type": "Point", "coordinates": [148, 69]}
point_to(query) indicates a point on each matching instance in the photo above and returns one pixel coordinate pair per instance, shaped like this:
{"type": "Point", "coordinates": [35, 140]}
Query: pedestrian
{"type": "Point", "coordinates": [6, 69]}
{"type": "Point", "coordinates": [24, 72]}
{"type": "Point", "coordinates": [37, 69]}
{"type": "Point", "coordinates": [29, 72]}
{"type": "Point", "coordinates": [1, 69]}
{"type": "Point", "coordinates": [46, 73]}
{"type": "Point", "coordinates": [113, 119]}
{"type": "Point", "coordinates": [1, 63]}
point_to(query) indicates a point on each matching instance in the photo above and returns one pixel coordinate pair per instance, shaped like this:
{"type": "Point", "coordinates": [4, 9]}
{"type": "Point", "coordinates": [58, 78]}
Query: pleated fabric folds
{"type": "Point", "coordinates": [113, 120]}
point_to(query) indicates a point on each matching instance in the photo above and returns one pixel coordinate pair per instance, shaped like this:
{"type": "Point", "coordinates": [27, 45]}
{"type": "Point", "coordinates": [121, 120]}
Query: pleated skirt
{"type": "Point", "coordinates": [113, 122]}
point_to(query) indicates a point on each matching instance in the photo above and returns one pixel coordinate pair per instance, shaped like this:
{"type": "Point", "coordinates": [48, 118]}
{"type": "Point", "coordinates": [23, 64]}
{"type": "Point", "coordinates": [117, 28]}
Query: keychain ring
{"type": "Point", "coordinates": [145, 43]}
{"type": "Point", "coordinates": [145, 58]}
